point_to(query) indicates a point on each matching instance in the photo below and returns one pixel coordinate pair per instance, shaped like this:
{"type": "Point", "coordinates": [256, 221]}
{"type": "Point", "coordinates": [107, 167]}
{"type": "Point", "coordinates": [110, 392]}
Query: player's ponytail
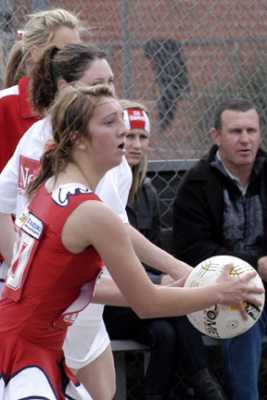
{"type": "Point", "coordinates": [44, 81]}
{"type": "Point", "coordinates": [67, 64]}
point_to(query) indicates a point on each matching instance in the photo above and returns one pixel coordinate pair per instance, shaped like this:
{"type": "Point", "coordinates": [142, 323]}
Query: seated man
{"type": "Point", "coordinates": [220, 208]}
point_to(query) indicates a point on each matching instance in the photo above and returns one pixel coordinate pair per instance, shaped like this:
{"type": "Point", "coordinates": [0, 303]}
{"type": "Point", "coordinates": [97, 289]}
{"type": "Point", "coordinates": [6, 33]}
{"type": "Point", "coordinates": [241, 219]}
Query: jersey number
{"type": "Point", "coordinates": [24, 250]}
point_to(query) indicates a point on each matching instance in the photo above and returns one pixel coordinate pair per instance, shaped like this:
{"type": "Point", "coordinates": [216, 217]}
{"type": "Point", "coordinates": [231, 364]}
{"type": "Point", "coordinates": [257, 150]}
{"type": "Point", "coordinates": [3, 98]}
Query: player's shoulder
{"type": "Point", "coordinates": [41, 128]}
{"type": "Point", "coordinates": [98, 210]}
{"type": "Point", "coordinates": [6, 94]}
{"type": "Point", "coordinates": [39, 132]}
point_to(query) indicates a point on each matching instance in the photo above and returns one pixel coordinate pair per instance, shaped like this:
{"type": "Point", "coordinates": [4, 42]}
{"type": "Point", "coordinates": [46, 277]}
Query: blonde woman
{"type": "Point", "coordinates": [43, 28]}
{"type": "Point", "coordinates": [143, 207]}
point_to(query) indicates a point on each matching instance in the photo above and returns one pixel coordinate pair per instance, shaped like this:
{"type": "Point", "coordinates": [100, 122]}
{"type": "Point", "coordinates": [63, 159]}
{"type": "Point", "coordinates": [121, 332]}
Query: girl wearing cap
{"type": "Point", "coordinates": [144, 214]}
{"type": "Point", "coordinates": [143, 204]}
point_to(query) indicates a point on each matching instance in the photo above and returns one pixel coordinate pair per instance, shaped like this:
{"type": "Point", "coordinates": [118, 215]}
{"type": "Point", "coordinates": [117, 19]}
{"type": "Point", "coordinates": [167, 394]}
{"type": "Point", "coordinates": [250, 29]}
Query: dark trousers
{"type": "Point", "coordinates": [173, 342]}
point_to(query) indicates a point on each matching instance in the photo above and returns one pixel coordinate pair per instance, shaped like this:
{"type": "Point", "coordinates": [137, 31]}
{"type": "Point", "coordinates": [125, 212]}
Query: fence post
{"type": "Point", "coordinates": [126, 48]}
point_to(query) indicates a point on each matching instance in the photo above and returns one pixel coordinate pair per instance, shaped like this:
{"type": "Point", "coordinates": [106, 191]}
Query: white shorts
{"type": "Point", "coordinates": [32, 383]}
{"type": "Point", "coordinates": [87, 338]}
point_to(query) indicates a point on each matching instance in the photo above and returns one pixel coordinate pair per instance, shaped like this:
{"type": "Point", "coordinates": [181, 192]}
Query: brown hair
{"type": "Point", "coordinates": [68, 63]}
{"type": "Point", "coordinates": [232, 104]}
{"type": "Point", "coordinates": [39, 31]}
{"type": "Point", "coordinates": [139, 171]}
{"type": "Point", "coordinates": [70, 115]}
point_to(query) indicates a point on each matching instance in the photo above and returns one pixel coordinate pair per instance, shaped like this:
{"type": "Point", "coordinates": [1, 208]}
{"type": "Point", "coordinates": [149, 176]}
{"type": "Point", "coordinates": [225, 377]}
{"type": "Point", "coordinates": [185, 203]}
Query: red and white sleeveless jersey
{"type": "Point", "coordinates": [47, 285]}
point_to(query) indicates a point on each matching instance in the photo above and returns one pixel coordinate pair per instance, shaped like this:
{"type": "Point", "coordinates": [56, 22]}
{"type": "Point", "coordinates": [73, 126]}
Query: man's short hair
{"type": "Point", "coordinates": [233, 104]}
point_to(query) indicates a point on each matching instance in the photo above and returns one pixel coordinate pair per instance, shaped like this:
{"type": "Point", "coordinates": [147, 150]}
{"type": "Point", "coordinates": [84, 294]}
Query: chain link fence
{"type": "Point", "coordinates": [180, 57]}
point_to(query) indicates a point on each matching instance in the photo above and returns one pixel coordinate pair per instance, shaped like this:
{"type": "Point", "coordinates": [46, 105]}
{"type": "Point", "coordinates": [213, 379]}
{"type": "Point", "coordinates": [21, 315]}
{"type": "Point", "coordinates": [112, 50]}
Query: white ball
{"type": "Point", "coordinates": [223, 321]}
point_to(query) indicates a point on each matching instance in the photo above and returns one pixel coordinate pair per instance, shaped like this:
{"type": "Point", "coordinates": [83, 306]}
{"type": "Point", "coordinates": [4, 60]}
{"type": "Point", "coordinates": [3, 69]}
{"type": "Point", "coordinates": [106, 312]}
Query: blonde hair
{"type": "Point", "coordinates": [70, 116]}
{"type": "Point", "coordinates": [139, 171]}
{"type": "Point", "coordinates": [39, 31]}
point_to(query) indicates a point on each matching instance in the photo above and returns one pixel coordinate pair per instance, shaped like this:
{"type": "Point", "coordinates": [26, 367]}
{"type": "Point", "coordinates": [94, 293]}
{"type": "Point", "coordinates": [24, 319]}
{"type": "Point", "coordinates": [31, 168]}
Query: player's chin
{"type": "Point", "coordinates": [116, 160]}
{"type": "Point", "coordinates": [245, 159]}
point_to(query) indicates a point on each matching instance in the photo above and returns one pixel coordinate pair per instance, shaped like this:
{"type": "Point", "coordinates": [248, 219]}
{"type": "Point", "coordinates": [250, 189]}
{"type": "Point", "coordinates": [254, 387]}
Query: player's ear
{"type": "Point", "coordinates": [79, 141]}
{"type": "Point", "coordinates": [61, 83]}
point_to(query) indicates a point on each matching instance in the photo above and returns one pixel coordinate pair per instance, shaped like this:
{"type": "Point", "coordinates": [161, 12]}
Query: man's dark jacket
{"type": "Point", "coordinates": [199, 206]}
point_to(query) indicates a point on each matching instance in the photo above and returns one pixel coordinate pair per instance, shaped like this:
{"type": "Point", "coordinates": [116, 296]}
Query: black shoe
{"type": "Point", "coordinates": [206, 386]}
